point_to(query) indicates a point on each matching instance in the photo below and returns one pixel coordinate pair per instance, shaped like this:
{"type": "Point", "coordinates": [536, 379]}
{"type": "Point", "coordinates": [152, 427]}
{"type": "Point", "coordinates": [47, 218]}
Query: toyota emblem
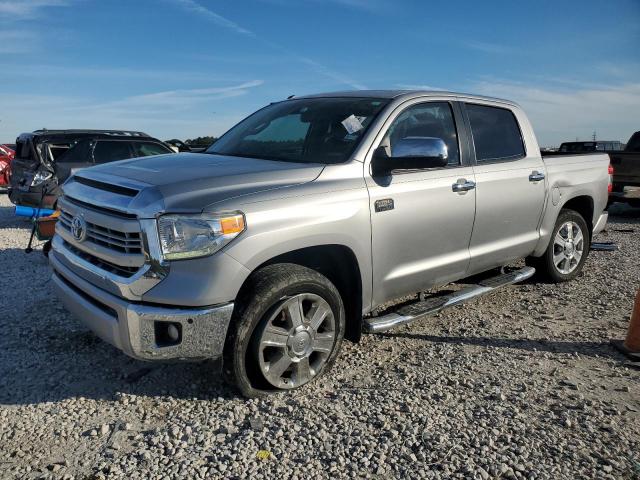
{"type": "Point", "coordinates": [79, 228]}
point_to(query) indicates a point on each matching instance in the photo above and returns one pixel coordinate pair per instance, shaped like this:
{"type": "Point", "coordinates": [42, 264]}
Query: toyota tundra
{"type": "Point", "coordinates": [294, 228]}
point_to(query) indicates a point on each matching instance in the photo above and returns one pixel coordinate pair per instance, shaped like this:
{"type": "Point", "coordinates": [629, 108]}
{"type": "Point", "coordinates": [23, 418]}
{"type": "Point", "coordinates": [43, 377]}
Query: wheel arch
{"type": "Point", "coordinates": [340, 265]}
{"type": "Point", "coordinates": [583, 204]}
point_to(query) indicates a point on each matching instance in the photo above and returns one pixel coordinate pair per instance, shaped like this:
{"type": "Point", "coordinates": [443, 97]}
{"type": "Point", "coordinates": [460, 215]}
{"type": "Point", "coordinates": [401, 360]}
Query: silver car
{"type": "Point", "coordinates": [295, 226]}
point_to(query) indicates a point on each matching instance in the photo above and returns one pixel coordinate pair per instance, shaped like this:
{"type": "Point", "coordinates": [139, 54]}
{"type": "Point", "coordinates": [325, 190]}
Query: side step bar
{"type": "Point", "coordinates": [435, 304]}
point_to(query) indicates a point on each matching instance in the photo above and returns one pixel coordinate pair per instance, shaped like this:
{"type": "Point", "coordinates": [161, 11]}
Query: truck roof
{"type": "Point", "coordinates": [120, 133]}
{"type": "Point", "coordinates": [402, 93]}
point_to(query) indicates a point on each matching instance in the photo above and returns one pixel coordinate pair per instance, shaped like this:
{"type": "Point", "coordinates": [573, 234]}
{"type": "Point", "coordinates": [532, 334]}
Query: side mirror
{"type": "Point", "coordinates": [410, 153]}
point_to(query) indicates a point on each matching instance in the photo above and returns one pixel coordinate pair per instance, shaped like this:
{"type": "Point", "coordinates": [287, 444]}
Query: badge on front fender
{"type": "Point", "coordinates": [384, 204]}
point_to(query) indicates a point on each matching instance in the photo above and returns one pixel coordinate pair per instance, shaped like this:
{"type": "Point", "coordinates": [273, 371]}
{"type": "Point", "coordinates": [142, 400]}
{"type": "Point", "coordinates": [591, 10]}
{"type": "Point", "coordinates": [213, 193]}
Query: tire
{"type": "Point", "coordinates": [563, 263]}
{"type": "Point", "coordinates": [266, 332]}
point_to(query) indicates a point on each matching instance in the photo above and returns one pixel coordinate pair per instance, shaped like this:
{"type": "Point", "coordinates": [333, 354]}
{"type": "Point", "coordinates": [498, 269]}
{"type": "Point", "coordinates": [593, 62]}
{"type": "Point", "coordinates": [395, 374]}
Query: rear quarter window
{"type": "Point", "coordinates": [496, 133]}
{"type": "Point", "coordinates": [77, 153]}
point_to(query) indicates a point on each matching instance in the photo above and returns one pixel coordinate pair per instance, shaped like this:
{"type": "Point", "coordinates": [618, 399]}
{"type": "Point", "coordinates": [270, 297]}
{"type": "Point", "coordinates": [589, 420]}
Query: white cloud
{"type": "Point", "coordinates": [17, 41]}
{"type": "Point", "coordinates": [361, 4]}
{"type": "Point", "coordinates": [179, 99]}
{"type": "Point", "coordinates": [374, 6]}
{"type": "Point", "coordinates": [16, 35]}
{"type": "Point", "coordinates": [214, 17]}
{"type": "Point", "coordinates": [414, 86]}
{"type": "Point", "coordinates": [564, 114]}
{"type": "Point", "coordinates": [171, 113]}
{"type": "Point", "coordinates": [327, 72]}
{"type": "Point", "coordinates": [27, 8]}
{"type": "Point", "coordinates": [194, 7]}
{"type": "Point", "coordinates": [487, 47]}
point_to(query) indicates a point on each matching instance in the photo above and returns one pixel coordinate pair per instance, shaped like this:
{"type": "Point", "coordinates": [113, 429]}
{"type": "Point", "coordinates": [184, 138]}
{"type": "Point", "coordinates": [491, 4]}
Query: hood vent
{"type": "Point", "coordinates": [125, 191]}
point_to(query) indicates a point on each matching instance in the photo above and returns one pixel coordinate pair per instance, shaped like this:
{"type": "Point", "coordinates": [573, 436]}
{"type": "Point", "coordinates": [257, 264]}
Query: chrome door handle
{"type": "Point", "coordinates": [536, 176]}
{"type": "Point", "coordinates": [463, 185]}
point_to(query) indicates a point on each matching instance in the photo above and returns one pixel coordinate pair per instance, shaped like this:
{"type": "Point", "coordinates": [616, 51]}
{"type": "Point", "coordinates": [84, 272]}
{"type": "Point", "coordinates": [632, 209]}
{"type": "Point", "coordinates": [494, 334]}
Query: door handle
{"type": "Point", "coordinates": [536, 176]}
{"type": "Point", "coordinates": [463, 185]}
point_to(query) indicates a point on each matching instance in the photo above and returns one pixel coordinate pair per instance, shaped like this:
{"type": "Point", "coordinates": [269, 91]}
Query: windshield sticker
{"type": "Point", "coordinates": [352, 124]}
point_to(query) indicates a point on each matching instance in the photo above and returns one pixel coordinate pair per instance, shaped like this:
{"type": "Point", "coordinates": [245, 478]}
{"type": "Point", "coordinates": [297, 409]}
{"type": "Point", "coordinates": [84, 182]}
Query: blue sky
{"type": "Point", "coordinates": [183, 68]}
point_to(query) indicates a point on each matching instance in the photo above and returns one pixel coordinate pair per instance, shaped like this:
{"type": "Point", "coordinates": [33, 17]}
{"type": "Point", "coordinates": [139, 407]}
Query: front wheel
{"type": "Point", "coordinates": [286, 330]}
{"type": "Point", "coordinates": [568, 248]}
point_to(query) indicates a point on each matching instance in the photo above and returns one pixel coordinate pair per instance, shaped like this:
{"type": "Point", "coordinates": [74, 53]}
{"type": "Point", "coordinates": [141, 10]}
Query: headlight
{"type": "Point", "coordinates": [189, 236]}
{"type": "Point", "coordinates": [41, 176]}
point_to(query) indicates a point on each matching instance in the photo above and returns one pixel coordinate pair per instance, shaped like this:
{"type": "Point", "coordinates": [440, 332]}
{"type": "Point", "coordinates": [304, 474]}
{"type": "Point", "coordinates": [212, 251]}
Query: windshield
{"type": "Point", "coordinates": [314, 130]}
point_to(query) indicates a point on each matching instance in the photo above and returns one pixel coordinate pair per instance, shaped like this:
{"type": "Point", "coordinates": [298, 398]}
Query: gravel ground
{"type": "Point", "coordinates": [519, 384]}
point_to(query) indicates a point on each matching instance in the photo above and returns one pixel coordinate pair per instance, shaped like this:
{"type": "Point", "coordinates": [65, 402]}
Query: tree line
{"type": "Point", "coordinates": [200, 141]}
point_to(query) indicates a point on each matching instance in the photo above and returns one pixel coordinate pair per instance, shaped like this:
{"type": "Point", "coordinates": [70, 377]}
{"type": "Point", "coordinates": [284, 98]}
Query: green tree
{"type": "Point", "coordinates": [200, 141]}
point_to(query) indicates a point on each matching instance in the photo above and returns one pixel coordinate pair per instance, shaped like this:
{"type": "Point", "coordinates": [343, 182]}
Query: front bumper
{"type": "Point", "coordinates": [134, 327]}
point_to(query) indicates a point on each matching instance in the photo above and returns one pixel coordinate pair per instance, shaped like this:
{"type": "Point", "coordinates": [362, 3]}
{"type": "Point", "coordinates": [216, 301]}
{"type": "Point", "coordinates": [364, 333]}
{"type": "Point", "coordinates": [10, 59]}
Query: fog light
{"type": "Point", "coordinates": [173, 332]}
{"type": "Point", "coordinates": [167, 333]}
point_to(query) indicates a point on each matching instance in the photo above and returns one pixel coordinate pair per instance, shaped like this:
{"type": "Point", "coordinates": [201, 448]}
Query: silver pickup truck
{"type": "Point", "coordinates": [295, 228]}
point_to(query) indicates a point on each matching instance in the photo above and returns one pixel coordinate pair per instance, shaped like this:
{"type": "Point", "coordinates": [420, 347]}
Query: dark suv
{"type": "Point", "coordinates": [46, 158]}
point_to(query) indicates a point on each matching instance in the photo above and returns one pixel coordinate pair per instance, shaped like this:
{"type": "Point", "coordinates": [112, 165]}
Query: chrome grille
{"type": "Point", "coordinates": [118, 241]}
{"type": "Point", "coordinates": [102, 264]}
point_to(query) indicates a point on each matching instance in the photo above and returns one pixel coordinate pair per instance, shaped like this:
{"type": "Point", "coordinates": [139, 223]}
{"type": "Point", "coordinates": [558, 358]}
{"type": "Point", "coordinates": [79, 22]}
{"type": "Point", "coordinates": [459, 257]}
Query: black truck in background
{"type": "Point", "coordinates": [626, 165]}
{"type": "Point", "coordinates": [626, 173]}
{"type": "Point", "coordinates": [594, 146]}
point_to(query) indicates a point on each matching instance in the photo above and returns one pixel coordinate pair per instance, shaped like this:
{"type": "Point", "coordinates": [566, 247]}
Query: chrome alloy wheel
{"type": "Point", "coordinates": [568, 247]}
{"type": "Point", "coordinates": [296, 340]}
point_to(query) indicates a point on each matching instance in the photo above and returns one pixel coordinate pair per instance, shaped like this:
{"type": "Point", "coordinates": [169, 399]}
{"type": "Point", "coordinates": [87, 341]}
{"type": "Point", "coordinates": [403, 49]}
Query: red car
{"type": "Point", "coordinates": [6, 155]}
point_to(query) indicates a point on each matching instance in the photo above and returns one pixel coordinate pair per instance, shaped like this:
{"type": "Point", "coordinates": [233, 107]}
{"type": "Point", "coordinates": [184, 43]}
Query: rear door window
{"type": "Point", "coordinates": [496, 134]}
{"type": "Point", "coordinates": [145, 149]}
{"type": "Point", "coordinates": [110, 150]}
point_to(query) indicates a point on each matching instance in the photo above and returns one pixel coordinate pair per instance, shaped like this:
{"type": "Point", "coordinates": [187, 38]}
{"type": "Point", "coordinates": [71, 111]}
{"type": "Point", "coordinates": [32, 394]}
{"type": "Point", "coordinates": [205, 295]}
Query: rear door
{"type": "Point", "coordinates": [510, 187]}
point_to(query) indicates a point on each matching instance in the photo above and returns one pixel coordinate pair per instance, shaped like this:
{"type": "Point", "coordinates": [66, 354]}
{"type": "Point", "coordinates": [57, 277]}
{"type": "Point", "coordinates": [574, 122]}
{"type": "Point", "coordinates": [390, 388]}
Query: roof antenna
{"type": "Point", "coordinates": [290, 97]}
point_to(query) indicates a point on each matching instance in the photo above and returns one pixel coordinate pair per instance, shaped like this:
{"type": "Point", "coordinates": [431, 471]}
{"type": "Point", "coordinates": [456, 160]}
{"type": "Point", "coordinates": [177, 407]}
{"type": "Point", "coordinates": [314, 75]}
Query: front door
{"type": "Point", "coordinates": [421, 220]}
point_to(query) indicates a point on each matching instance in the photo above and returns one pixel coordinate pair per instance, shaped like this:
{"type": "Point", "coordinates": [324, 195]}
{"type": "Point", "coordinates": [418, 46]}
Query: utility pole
{"type": "Point", "coordinates": [594, 136]}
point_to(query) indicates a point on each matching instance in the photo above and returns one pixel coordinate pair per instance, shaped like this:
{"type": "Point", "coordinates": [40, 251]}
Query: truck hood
{"type": "Point", "coordinates": [183, 182]}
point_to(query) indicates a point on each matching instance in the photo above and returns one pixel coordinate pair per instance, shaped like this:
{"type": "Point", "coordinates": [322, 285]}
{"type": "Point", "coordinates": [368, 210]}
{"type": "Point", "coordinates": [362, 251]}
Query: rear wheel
{"type": "Point", "coordinates": [568, 248]}
{"type": "Point", "coordinates": [286, 330]}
